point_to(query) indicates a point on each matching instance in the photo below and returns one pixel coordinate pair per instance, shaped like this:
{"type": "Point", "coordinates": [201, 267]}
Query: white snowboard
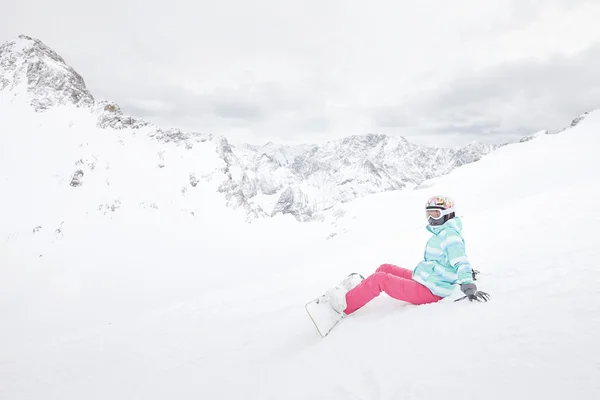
{"type": "Point", "coordinates": [323, 316]}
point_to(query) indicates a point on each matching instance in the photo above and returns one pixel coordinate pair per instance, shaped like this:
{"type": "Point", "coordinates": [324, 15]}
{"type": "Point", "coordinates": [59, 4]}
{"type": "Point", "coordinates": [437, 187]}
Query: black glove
{"type": "Point", "coordinates": [474, 273]}
{"type": "Point", "coordinates": [471, 292]}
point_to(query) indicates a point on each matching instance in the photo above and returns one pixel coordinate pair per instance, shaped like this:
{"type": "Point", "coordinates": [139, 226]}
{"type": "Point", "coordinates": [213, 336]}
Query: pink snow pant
{"type": "Point", "coordinates": [396, 282]}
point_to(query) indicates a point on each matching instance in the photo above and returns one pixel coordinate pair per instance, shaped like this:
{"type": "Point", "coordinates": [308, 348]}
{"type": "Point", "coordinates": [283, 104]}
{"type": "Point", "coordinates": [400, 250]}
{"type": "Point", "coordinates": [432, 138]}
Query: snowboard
{"type": "Point", "coordinates": [322, 314]}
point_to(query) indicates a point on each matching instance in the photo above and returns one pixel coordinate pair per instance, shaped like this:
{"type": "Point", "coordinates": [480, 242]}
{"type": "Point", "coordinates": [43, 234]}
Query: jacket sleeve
{"type": "Point", "coordinates": [454, 247]}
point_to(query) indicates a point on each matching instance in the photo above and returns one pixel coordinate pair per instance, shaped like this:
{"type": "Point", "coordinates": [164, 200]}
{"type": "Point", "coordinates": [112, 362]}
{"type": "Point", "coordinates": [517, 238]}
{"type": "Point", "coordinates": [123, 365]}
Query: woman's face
{"type": "Point", "coordinates": [435, 217]}
{"type": "Point", "coordinates": [435, 214]}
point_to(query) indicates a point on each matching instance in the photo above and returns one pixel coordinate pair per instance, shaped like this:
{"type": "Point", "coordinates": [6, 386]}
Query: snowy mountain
{"type": "Point", "coordinates": [139, 300]}
{"type": "Point", "coordinates": [263, 180]}
{"type": "Point", "coordinates": [304, 180]}
{"type": "Point", "coordinates": [124, 274]}
{"type": "Point", "coordinates": [28, 63]}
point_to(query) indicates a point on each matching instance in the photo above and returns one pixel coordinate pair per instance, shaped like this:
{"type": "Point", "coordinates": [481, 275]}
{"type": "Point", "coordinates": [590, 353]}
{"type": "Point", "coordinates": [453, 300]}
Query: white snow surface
{"type": "Point", "coordinates": [138, 285]}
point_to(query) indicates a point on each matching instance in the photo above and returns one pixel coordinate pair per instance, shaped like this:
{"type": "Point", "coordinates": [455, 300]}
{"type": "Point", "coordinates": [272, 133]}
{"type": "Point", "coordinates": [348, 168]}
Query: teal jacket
{"type": "Point", "coordinates": [445, 263]}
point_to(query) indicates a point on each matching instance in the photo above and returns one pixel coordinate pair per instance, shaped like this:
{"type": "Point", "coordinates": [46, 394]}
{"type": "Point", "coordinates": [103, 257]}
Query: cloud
{"type": "Point", "coordinates": [313, 71]}
{"type": "Point", "coordinates": [270, 108]}
{"type": "Point", "coordinates": [521, 96]}
{"type": "Point", "coordinates": [237, 109]}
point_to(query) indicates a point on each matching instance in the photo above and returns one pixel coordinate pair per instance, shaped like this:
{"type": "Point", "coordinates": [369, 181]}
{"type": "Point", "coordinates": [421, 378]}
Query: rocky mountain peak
{"type": "Point", "coordinates": [28, 66]}
{"type": "Point", "coordinates": [301, 180]}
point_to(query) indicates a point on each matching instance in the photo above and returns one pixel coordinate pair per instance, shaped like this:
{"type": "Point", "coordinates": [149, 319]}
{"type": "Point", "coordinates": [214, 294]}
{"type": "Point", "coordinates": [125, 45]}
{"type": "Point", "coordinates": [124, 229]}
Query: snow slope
{"type": "Point", "coordinates": [123, 274]}
{"type": "Point", "coordinates": [156, 304]}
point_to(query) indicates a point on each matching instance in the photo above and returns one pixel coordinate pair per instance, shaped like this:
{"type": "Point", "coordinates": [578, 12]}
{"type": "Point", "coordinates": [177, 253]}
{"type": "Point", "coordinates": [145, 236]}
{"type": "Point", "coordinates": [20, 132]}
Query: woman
{"type": "Point", "coordinates": [445, 265]}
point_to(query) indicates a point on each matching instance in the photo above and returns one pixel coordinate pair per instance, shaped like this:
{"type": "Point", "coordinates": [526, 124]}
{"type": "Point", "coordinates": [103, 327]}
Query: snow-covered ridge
{"type": "Point", "coordinates": [267, 180]}
{"type": "Point", "coordinates": [307, 179]}
{"type": "Point", "coordinates": [27, 64]}
{"type": "Point", "coordinates": [130, 302]}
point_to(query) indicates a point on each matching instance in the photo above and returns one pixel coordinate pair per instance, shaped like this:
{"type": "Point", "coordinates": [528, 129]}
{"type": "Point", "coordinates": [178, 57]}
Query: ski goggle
{"type": "Point", "coordinates": [436, 213]}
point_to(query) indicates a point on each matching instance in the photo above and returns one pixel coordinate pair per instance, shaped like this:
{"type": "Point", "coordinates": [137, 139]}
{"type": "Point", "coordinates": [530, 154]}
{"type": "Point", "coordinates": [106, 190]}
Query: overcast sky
{"type": "Point", "coordinates": [437, 71]}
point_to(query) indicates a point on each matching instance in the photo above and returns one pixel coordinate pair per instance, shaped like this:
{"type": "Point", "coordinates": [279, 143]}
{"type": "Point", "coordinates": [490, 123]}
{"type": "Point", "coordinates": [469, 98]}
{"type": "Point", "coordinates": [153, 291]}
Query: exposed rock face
{"type": "Point", "coordinates": [111, 116]}
{"type": "Point", "coordinates": [531, 137]}
{"type": "Point", "coordinates": [576, 121]}
{"type": "Point", "coordinates": [306, 179]}
{"type": "Point", "coordinates": [265, 180]}
{"type": "Point", "coordinates": [29, 65]}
